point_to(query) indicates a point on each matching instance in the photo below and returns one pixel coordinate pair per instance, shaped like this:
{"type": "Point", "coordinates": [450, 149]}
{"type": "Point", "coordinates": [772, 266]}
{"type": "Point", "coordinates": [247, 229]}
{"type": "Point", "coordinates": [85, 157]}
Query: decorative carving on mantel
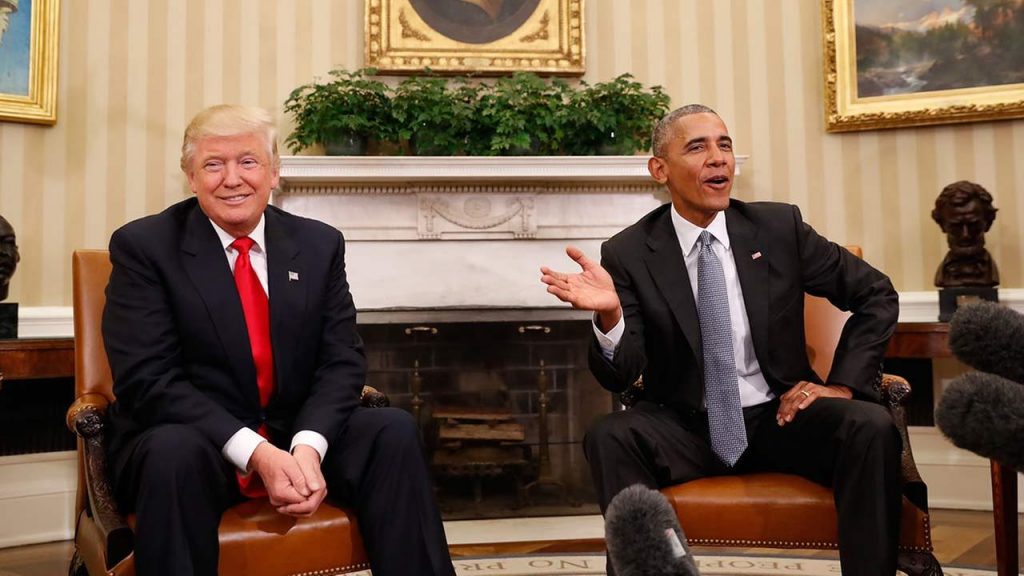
{"type": "Point", "coordinates": [479, 215]}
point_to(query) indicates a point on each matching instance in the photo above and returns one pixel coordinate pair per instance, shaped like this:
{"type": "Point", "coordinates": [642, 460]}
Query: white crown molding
{"type": "Point", "coordinates": [297, 170]}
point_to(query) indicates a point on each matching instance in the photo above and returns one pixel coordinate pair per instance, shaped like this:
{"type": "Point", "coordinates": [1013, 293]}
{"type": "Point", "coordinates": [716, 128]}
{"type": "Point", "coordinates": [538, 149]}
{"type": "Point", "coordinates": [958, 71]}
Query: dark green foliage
{"type": "Point", "coordinates": [524, 115]}
{"type": "Point", "coordinates": [348, 104]}
{"type": "Point", "coordinates": [434, 117]}
{"type": "Point", "coordinates": [513, 115]}
{"type": "Point", "coordinates": [613, 117]}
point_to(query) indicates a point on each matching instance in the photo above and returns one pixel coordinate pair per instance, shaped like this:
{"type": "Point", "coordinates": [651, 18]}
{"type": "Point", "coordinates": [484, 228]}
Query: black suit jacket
{"type": "Point", "coordinates": [177, 342]}
{"type": "Point", "coordinates": [662, 336]}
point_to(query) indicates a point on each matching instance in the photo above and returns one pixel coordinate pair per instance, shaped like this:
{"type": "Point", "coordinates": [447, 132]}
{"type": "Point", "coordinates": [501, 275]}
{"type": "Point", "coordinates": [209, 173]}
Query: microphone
{"type": "Point", "coordinates": [984, 413]}
{"type": "Point", "coordinates": [988, 337]}
{"type": "Point", "coordinates": [644, 537]}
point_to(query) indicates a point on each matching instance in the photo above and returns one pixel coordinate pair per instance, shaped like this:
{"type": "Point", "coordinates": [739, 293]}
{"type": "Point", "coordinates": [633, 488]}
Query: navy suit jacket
{"type": "Point", "coordinates": [662, 337]}
{"type": "Point", "coordinates": [177, 342]}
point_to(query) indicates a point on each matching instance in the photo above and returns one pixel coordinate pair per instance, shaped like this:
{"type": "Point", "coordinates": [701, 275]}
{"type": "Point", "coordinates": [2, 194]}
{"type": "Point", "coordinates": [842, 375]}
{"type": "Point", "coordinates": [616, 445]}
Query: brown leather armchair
{"type": "Point", "coordinates": [771, 510]}
{"type": "Point", "coordinates": [254, 538]}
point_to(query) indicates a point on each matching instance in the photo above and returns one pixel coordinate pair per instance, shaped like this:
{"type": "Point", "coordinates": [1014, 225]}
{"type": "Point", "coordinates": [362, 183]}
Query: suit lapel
{"type": "Point", "coordinates": [752, 269]}
{"type": "Point", "coordinates": [666, 265]}
{"type": "Point", "coordinates": [287, 281]}
{"type": "Point", "coordinates": [207, 267]}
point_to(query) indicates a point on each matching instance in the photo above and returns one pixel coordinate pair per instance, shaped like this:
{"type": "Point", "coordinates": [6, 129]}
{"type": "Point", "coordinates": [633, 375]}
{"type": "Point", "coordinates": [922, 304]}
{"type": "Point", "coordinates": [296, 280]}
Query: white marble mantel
{"type": "Point", "coordinates": [427, 233]}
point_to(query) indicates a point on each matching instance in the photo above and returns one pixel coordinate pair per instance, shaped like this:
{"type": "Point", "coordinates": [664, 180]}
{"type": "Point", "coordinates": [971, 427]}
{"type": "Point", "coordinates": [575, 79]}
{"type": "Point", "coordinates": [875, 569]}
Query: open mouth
{"type": "Point", "coordinates": [717, 181]}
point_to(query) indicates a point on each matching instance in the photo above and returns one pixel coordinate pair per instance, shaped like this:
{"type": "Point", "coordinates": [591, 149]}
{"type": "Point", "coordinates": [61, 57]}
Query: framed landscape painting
{"type": "Point", "coordinates": [475, 36]}
{"type": "Point", "coordinates": [28, 60]}
{"type": "Point", "coordinates": [893, 63]}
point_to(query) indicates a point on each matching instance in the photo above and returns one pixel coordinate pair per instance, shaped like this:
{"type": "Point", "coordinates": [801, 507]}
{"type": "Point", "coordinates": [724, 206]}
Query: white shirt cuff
{"type": "Point", "coordinates": [610, 341]}
{"type": "Point", "coordinates": [314, 440]}
{"type": "Point", "coordinates": [239, 448]}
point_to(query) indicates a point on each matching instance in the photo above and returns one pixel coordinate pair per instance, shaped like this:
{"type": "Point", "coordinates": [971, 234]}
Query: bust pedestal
{"type": "Point", "coordinates": [8, 320]}
{"type": "Point", "coordinates": [952, 298]}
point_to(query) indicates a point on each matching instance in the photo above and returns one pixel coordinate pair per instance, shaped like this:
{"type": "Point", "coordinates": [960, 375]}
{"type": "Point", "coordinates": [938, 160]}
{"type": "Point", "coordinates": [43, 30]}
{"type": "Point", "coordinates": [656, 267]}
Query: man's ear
{"type": "Point", "coordinates": [190, 175]}
{"type": "Point", "coordinates": [659, 171]}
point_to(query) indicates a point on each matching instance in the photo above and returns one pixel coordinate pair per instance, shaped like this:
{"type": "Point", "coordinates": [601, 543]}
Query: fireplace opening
{"type": "Point", "coordinates": [502, 406]}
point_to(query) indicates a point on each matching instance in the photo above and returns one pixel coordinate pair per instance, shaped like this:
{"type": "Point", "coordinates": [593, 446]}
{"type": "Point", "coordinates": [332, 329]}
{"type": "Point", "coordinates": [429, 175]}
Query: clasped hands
{"type": "Point", "coordinates": [294, 482]}
{"type": "Point", "coordinates": [593, 289]}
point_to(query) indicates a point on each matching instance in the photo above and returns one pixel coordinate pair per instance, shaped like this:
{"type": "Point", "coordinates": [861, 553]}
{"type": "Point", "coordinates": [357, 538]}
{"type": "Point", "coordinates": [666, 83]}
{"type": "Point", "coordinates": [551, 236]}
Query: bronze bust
{"type": "Point", "coordinates": [965, 212]}
{"type": "Point", "coordinates": [9, 256]}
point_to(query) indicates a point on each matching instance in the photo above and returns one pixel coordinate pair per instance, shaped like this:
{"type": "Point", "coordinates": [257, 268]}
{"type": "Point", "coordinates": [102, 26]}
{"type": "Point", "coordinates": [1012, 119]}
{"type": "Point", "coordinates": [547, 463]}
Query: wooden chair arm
{"type": "Point", "coordinates": [373, 398]}
{"type": "Point", "coordinates": [895, 393]}
{"type": "Point", "coordinates": [87, 418]}
{"type": "Point", "coordinates": [95, 402]}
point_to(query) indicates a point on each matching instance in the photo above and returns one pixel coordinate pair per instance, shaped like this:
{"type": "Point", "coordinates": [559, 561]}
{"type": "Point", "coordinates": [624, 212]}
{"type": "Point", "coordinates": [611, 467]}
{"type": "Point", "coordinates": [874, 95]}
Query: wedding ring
{"type": "Point", "coordinates": [805, 393]}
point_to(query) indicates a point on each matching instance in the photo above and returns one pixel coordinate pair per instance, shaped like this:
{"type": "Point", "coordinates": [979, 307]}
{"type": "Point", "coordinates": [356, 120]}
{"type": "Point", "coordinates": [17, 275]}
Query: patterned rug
{"type": "Point", "coordinates": [710, 565]}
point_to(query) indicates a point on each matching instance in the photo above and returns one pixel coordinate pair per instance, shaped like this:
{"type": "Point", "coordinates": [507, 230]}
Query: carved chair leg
{"type": "Point", "coordinates": [918, 564]}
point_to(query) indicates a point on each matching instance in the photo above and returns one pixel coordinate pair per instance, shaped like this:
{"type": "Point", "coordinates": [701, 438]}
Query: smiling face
{"type": "Point", "coordinates": [696, 164]}
{"type": "Point", "coordinates": [232, 177]}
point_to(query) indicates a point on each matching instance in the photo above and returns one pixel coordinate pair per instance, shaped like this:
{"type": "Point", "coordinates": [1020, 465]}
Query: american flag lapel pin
{"type": "Point", "coordinates": [293, 276]}
{"type": "Point", "coordinates": [755, 255]}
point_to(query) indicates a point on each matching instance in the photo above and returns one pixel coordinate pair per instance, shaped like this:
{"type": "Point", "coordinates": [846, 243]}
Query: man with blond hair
{"type": "Point", "coordinates": [231, 334]}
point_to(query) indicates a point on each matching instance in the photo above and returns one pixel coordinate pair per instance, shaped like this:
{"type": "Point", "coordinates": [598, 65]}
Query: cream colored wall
{"type": "Point", "coordinates": [132, 73]}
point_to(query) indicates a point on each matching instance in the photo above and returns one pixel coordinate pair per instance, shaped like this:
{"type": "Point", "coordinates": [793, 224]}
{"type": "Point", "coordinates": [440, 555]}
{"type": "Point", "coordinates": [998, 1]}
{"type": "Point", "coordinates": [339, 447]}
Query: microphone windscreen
{"type": "Point", "coordinates": [644, 537]}
{"type": "Point", "coordinates": [984, 413]}
{"type": "Point", "coordinates": [989, 337]}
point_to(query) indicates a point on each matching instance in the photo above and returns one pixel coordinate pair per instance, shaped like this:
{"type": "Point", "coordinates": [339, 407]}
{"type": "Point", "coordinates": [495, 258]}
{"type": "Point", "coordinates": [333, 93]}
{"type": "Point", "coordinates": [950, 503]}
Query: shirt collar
{"type": "Point", "coordinates": [258, 235]}
{"type": "Point", "coordinates": [688, 233]}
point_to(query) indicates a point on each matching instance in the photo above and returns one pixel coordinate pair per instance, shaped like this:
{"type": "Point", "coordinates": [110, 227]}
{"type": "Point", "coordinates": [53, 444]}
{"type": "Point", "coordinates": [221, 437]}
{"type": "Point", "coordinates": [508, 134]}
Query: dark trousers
{"type": "Point", "coordinates": [849, 445]}
{"type": "Point", "coordinates": [178, 484]}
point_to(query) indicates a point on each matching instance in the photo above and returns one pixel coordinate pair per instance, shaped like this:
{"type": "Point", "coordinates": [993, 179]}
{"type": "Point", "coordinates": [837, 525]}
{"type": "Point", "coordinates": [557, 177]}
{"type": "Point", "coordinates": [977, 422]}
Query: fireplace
{"type": "Point", "coordinates": [503, 406]}
{"type": "Point", "coordinates": [443, 258]}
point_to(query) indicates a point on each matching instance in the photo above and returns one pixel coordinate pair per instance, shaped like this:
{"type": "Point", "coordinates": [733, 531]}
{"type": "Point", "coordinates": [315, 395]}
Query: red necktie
{"type": "Point", "coordinates": [257, 321]}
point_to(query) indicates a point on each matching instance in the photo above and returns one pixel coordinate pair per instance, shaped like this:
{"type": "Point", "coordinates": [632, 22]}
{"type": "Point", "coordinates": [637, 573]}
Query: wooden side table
{"type": "Point", "coordinates": [920, 340]}
{"type": "Point", "coordinates": [34, 358]}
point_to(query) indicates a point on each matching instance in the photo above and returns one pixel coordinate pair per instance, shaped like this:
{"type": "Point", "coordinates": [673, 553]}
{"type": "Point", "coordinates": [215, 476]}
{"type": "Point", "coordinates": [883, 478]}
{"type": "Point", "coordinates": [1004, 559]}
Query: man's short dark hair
{"type": "Point", "coordinates": [663, 128]}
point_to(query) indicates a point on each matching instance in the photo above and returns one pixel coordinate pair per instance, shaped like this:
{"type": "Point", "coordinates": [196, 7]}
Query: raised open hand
{"type": "Point", "coordinates": [591, 289]}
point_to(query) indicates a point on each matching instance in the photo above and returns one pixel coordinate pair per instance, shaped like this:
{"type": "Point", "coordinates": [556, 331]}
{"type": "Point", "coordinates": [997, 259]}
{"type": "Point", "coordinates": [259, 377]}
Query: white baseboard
{"type": "Point", "coordinates": [956, 478]}
{"type": "Point", "coordinates": [37, 498]}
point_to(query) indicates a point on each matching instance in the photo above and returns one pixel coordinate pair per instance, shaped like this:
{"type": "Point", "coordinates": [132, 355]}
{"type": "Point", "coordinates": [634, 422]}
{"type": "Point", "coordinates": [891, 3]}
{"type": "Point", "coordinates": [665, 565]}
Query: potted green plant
{"type": "Point", "coordinates": [614, 117]}
{"type": "Point", "coordinates": [341, 113]}
{"type": "Point", "coordinates": [433, 117]}
{"type": "Point", "coordinates": [523, 115]}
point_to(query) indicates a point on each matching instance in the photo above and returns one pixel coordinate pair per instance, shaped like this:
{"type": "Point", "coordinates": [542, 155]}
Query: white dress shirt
{"type": "Point", "coordinates": [753, 387]}
{"type": "Point", "coordinates": [239, 448]}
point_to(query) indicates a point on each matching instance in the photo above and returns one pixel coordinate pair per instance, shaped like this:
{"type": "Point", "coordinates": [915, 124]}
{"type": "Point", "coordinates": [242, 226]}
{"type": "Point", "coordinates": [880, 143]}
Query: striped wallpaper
{"type": "Point", "coordinates": [133, 72]}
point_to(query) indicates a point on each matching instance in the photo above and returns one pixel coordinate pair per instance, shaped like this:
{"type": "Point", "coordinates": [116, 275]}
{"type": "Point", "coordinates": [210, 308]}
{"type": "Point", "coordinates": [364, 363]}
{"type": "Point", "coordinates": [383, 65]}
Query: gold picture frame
{"type": "Point", "coordinates": [489, 37]}
{"type": "Point", "coordinates": [847, 110]}
{"type": "Point", "coordinates": [29, 52]}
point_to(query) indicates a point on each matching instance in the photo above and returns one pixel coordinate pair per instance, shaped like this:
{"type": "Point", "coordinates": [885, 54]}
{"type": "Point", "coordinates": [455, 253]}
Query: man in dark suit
{"type": "Point", "coordinates": [231, 335]}
{"type": "Point", "coordinates": [703, 298]}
